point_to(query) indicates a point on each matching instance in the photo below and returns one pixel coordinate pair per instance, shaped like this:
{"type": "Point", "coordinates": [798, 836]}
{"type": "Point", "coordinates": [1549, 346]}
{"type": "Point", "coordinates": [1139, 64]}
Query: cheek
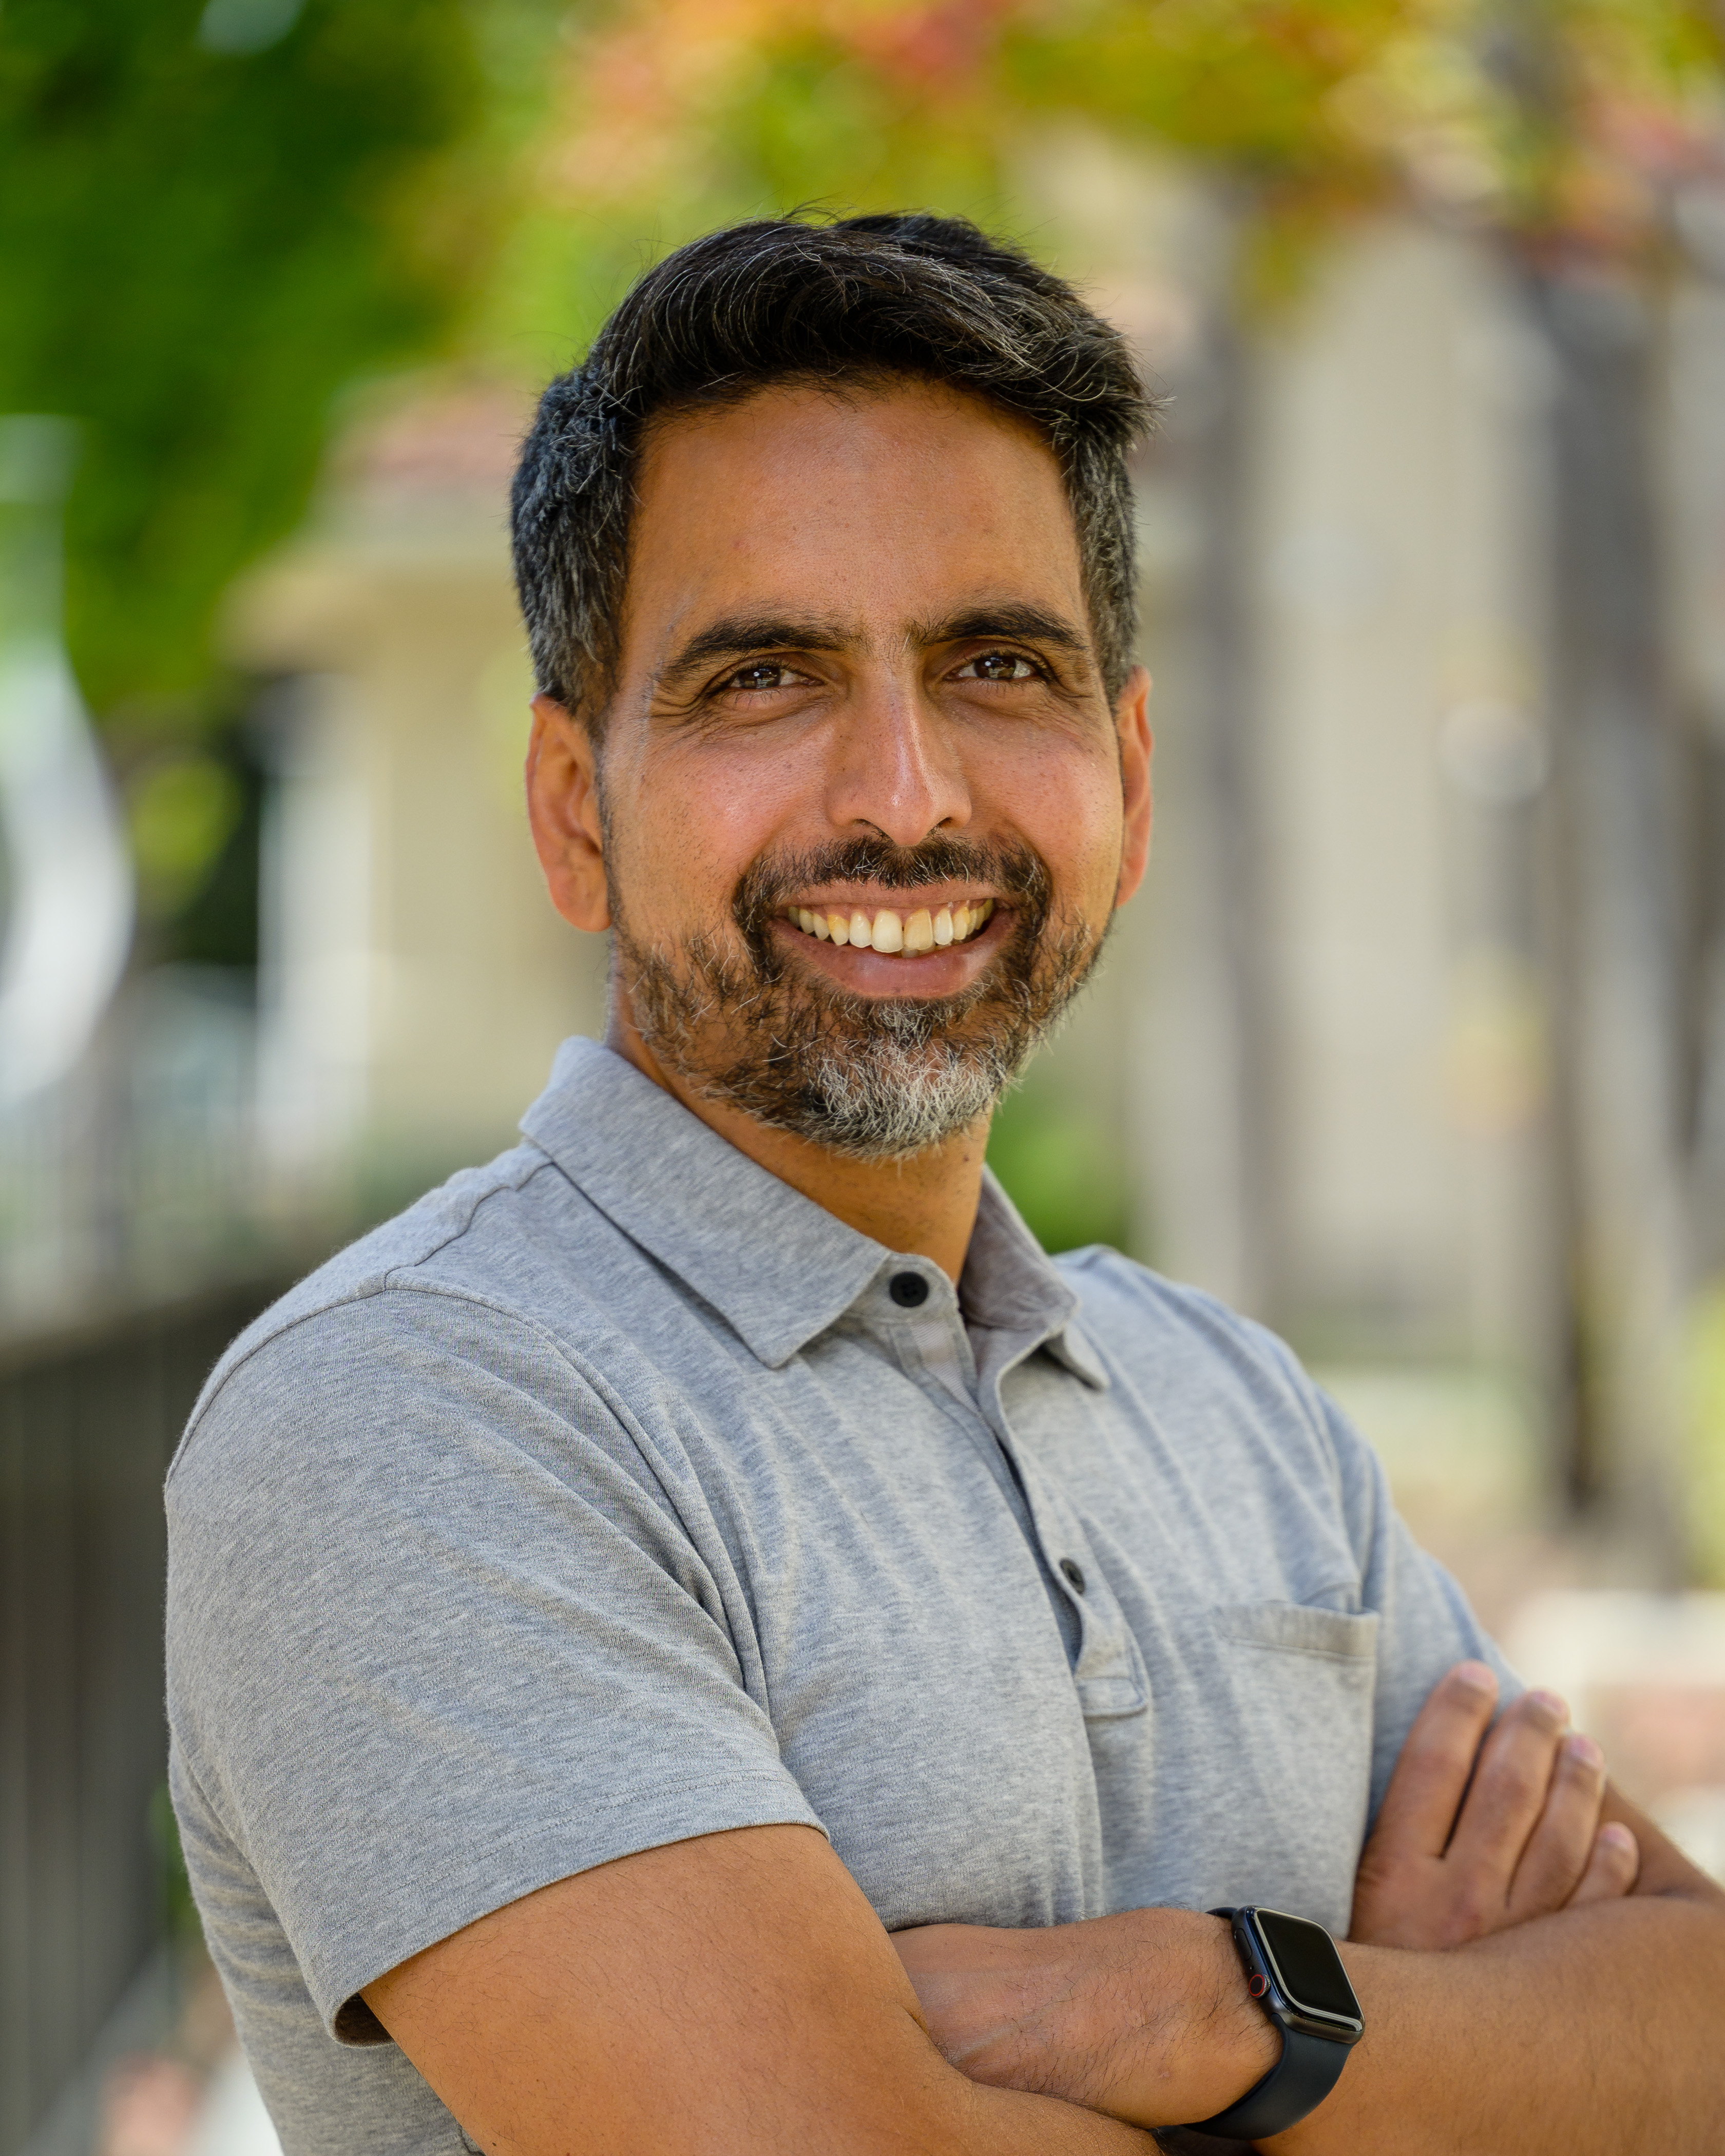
{"type": "Point", "coordinates": [1064, 798]}
{"type": "Point", "coordinates": [692, 824]}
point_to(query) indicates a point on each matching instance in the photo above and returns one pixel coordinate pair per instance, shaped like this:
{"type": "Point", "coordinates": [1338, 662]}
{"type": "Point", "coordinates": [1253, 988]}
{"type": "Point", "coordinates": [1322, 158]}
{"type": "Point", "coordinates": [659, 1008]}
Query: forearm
{"type": "Point", "coordinates": [1144, 2015]}
{"type": "Point", "coordinates": [1592, 2029]}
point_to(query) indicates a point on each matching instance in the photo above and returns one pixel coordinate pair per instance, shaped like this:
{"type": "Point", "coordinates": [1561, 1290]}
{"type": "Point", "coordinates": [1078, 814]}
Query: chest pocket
{"type": "Point", "coordinates": [1299, 1685]}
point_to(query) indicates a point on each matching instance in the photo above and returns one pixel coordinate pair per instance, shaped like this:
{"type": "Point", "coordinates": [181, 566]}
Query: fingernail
{"type": "Point", "coordinates": [1618, 1835]}
{"type": "Point", "coordinates": [1583, 1752]}
{"type": "Point", "coordinates": [1475, 1676]}
{"type": "Point", "coordinates": [1550, 1707]}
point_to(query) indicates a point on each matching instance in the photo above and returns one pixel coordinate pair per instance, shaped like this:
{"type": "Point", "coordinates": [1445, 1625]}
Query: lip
{"type": "Point", "coordinates": [865, 973]}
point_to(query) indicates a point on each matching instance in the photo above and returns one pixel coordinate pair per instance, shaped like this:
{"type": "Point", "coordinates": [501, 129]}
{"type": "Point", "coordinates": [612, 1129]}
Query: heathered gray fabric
{"type": "Point", "coordinates": [607, 1498]}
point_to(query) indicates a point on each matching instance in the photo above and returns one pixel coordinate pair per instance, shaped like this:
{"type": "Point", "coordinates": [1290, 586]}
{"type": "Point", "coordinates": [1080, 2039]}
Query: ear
{"type": "Point", "coordinates": [1132, 719]}
{"type": "Point", "coordinates": [563, 808]}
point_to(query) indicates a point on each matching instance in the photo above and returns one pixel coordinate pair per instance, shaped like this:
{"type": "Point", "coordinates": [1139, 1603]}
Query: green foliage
{"type": "Point", "coordinates": [179, 1911]}
{"type": "Point", "coordinates": [1060, 1167]}
{"type": "Point", "coordinates": [1546, 121]}
{"type": "Point", "coordinates": [789, 116]}
{"type": "Point", "coordinates": [823, 126]}
{"type": "Point", "coordinates": [212, 218]}
{"type": "Point", "coordinates": [182, 810]}
{"type": "Point", "coordinates": [1247, 84]}
{"type": "Point", "coordinates": [216, 215]}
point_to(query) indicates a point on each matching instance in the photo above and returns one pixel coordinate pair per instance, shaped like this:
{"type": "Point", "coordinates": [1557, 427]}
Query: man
{"type": "Point", "coordinates": [698, 1637]}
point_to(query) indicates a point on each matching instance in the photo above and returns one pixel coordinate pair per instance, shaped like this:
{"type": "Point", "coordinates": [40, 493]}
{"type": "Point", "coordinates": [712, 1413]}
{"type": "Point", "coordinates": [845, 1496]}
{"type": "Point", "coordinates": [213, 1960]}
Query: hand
{"type": "Point", "coordinates": [1144, 2015]}
{"type": "Point", "coordinates": [1478, 1832]}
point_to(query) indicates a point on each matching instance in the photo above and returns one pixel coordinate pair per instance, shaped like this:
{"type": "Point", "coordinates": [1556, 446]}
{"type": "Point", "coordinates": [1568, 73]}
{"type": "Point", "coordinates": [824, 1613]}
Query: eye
{"type": "Point", "coordinates": [996, 666]}
{"type": "Point", "coordinates": [762, 674]}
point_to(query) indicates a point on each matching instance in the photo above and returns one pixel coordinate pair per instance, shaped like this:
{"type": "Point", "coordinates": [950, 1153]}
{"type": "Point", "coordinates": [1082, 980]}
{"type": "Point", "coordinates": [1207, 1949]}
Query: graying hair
{"type": "Point", "coordinates": [838, 304]}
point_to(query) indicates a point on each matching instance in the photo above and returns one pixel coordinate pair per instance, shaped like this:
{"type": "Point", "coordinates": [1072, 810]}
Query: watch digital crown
{"type": "Point", "coordinates": [1294, 1972]}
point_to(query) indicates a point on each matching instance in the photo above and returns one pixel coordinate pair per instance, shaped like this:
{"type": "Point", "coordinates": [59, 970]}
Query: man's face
{"type": "Point", "coordinates": [863, 809]}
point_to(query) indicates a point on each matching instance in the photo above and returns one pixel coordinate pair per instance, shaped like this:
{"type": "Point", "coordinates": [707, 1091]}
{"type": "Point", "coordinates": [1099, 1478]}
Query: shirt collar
{"type": "Point", "coordinates": [1008, 1282]}
{"type": "Point", "coordinates": [776, 1265]}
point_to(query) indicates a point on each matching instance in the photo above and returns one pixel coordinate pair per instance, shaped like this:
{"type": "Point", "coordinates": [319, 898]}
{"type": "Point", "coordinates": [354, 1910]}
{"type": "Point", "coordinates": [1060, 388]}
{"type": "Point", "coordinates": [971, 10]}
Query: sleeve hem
{"type": "Point", "coordinates": [521, 1866]}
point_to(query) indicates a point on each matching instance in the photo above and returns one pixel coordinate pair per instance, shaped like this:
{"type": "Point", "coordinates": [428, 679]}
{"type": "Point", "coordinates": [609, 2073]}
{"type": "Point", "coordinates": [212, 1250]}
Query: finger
{"type": "Point", "coordinates": [1612, 1869]}
{"type": "Point", "coordinates": [1557, 1850]}
{"type": "Point", "coordinates": [1508, 1794]}
{"type": "Point", "coordinates": [1419, 1806]}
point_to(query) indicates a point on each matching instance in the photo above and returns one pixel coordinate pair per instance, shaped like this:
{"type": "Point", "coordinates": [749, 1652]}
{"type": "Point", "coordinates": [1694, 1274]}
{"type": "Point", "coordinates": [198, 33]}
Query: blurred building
{"type": "Point", "coordinates": [413, 979]}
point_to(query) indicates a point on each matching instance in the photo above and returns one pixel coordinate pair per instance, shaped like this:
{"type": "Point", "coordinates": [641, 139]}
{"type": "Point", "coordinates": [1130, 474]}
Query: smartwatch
{"type": "Point", "coordinates": [1294, 1972]}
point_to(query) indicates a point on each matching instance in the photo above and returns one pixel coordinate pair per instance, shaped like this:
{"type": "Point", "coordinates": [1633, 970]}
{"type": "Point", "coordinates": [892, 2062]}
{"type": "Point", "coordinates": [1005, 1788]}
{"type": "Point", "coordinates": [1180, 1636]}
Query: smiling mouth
{"type": "Point", "coordinates": [899, 934]}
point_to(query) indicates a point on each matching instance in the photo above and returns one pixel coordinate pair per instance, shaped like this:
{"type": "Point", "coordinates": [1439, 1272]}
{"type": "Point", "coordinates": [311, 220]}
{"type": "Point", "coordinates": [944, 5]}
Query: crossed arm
{"type": "Point", "coordinates": [1538, 1969]}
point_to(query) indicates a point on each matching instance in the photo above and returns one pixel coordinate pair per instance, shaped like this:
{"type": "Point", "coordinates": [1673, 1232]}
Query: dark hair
{"type": "Point", "coordinates": [785, 299]}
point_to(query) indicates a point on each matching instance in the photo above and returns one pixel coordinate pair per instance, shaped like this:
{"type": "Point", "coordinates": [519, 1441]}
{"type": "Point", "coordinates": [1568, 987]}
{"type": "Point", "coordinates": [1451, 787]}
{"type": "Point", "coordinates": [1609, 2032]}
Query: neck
{"type": "Point", "coordinates": [925, 1205]}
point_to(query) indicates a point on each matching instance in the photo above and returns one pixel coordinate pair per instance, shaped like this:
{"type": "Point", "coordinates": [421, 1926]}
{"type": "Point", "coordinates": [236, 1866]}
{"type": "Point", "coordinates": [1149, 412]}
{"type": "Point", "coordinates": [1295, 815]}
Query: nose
{"type": "Point", "coordinates": [896, 768]}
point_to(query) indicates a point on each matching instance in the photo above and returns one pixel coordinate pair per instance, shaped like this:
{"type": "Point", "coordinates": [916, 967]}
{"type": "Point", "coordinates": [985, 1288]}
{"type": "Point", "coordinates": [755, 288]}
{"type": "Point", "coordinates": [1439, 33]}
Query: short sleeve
{"type": "Point", "coordinates": [438, 1635]}
{"type": "Point", "coordinates": [1425, 1624]}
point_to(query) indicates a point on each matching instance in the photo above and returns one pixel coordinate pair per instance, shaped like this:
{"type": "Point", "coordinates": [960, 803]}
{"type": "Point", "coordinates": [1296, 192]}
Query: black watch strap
{"type": "Point", "coordinates": [1308, 2069]}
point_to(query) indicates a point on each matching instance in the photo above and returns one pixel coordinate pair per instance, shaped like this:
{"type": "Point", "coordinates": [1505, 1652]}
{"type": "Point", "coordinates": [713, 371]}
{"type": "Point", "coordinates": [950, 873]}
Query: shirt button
{"type": "Point", "coordinates": [909, 1291]}
{"type": "Point", "coordinates": [1073, 1573]}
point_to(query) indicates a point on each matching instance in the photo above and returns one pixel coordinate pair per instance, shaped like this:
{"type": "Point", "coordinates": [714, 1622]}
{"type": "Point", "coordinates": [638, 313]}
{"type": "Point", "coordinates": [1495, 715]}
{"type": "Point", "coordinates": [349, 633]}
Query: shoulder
{"type": "Point", "coordinates": [442, 1314]}
{"type": "Point", "coordinates": [1136, 1314]}
{"type": "Point", "coordinates": [412, 1409]}
{"type": "Point", "coordinates": [1170, 1341]}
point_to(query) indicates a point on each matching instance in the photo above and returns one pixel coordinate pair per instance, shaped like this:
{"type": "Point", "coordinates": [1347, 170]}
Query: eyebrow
{"type": "Point", "coordinates": [737, 636]}
{"type": "Point", "coordinates": [1027, 624]}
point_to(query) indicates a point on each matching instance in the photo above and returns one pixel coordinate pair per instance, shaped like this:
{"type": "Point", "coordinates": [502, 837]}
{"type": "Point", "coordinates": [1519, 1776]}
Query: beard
{"type": "Point", "coordinates": [873, 1078]}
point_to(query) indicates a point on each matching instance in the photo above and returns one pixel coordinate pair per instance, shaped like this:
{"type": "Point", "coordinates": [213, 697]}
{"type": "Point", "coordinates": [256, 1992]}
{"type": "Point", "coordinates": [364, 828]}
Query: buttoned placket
{"type": "Point", "coordinates": [934, 1348]}
{"type": "Point", "coordinates": [813, 1273]}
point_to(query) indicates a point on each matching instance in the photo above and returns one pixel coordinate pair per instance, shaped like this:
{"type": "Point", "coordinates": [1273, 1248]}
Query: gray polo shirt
{"type": "Point", "coordinates": [616, 1493]}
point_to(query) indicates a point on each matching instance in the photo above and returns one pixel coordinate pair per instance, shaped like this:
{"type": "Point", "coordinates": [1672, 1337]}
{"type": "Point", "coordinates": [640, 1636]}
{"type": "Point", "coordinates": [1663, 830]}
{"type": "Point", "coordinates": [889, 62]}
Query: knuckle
{"type": "Point", "coordinates": [1459, 1924]}
{"type": "Point", "coordinates": [1474, 1902]}
{"type": "Point", "coordinates": [1583, 1761]}
{"type": "Point", "coordinates": [1542, 1888]}
{"type": "Point", "coordinates": [1624, 1856]}
{"type": "Point", "coordinates": [1385, 1875]}
{"type": "Point", "coordinates": [1570, 1816]}
{"type": "Point", "coordinates": [1524, 1780]}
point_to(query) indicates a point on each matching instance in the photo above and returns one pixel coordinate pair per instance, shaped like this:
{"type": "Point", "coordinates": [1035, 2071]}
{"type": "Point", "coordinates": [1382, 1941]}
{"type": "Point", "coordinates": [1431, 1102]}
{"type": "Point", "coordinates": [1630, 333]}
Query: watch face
{"type": "Point", "coordinates": [1308, 1968]}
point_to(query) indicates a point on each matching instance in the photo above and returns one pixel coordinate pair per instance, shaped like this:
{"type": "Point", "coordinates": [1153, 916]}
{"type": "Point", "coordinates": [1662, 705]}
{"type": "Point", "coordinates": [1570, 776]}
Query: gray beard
{"type": "Point", "coordinates": [872, 1079]}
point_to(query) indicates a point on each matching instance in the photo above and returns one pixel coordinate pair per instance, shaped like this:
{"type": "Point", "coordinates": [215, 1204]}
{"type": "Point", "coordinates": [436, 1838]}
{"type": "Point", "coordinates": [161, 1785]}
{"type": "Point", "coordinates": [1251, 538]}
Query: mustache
{"type": "Point", "coordinates": [871, 1078]}
{"type": "Point", "coordinates": [1015, 873]}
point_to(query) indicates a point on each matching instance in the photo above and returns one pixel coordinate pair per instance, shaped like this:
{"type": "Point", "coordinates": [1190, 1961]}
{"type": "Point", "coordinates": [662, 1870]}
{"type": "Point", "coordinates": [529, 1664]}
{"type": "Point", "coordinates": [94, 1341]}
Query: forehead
{"type": "Point", "coordinates": [898, 502]}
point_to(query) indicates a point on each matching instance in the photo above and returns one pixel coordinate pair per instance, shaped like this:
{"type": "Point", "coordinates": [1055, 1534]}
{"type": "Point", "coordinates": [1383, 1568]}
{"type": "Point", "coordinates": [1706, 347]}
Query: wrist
{"type": "Point", "coordinates": [1145, 2015]}
{"type": "Point", "coordinates": [1192, 2039]}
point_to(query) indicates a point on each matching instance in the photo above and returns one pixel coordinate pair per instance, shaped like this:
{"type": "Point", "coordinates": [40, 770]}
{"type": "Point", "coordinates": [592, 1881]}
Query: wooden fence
{"type": "Point", "coordinates": [88, 1422]}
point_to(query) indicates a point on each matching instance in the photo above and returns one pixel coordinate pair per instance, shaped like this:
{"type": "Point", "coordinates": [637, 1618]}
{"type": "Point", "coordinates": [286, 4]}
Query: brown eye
{"type": "Point", "coordinates": [996, 666]}
{"type": "Point", "coordinates": [765, 675]}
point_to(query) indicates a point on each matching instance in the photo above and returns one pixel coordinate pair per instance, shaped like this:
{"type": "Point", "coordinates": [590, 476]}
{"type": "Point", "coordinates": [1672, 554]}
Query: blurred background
{"type": "Point", "coordinates": [1415, 1046]}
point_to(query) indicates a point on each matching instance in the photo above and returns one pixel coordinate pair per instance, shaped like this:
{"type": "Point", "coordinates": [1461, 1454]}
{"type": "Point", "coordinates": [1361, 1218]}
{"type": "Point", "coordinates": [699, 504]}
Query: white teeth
{"type": "Point", "coordinates": [889, 932]}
